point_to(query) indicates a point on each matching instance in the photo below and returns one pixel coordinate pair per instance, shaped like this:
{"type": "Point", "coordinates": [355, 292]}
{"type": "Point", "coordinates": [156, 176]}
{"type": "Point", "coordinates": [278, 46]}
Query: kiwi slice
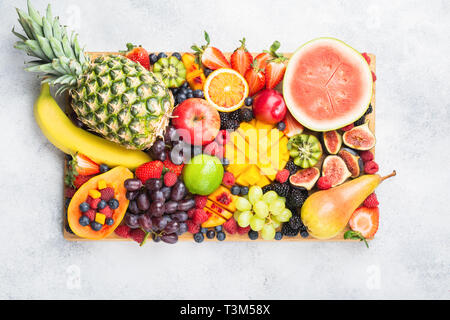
{"type": "Point", "coordinates": [171, 71]}
{"type": "Point", "coordinates": [305, 149]}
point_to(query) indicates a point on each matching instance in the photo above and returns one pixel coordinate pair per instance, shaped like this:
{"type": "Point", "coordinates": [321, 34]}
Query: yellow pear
{"type": "Point", "coordinates": [326, 213]}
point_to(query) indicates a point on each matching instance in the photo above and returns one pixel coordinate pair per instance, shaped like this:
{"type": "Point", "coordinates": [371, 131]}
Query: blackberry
{"type": "Point", "coordinates": [235, 115]}
{"type": "Point", "coordinates": [282, 189]}
{"type": "Point", "coordinates": [296, 198]}
{"type": "Point", "coordinates": [246, 114]}
{"type": "Point", "coordinates": [232, 125]}
{"type": "Point", "coordinates": [291, 167]}
{"type": "Point", "coordinates": [295, 222]}
{"type": "Point", "coordinates": [288, 231]}
{"type": "Point", "coordinates": [223, 120]}
{"type": "Point", "coordinates": [267, 188]}
{"type": "Point", "coordinates": [360, 121]}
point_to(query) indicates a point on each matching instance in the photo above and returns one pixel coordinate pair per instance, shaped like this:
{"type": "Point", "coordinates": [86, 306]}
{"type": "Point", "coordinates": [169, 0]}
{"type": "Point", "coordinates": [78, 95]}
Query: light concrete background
{"type": "Point", "coordinates": [410, 257]}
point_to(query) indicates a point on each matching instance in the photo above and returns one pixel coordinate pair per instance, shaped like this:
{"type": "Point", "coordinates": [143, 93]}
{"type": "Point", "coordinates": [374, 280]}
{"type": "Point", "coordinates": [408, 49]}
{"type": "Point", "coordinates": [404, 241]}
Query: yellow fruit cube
{"type": "Point", "coordinates": [100, 218]}
{"type": "Point", "coordinates": [95, 194]}
{"type": "Point", "coordinates": [251, 175]}
{"type": "Point", "coordinates": [263, 181]}
{"type": "Point", "coordinates": [102, 184]}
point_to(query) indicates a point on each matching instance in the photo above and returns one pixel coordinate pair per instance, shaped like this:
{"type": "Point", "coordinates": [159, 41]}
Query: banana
{"type": "Point", "coordinates": [70, 139]}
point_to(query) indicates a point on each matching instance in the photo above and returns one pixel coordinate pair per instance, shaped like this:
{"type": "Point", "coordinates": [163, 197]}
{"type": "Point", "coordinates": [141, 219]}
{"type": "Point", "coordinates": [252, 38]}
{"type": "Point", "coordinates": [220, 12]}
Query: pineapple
{"type": "Point", "coordinates": [114, 96]}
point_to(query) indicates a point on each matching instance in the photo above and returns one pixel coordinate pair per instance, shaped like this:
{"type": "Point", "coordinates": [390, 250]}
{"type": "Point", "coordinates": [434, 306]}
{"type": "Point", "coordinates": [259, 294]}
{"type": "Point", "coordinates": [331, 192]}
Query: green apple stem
{"type": "Point", "coordinates": [388, 176]}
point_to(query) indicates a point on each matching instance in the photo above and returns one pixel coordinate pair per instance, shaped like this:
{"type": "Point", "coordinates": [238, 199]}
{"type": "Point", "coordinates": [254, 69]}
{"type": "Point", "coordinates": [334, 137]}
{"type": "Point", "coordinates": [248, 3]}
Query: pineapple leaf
{"type": "Point", "coordinates": [34, 14]}
{"type": "Point", "coordinates": [47, 28]}
{"type": "Point", "coordinates": [46, 47]}
{"type": "Point", "coordinates": [49, 13]}
{"type": "Point", "coordinates": [57, 47]}
{"type": "Point", "coordinates": [33, 45]}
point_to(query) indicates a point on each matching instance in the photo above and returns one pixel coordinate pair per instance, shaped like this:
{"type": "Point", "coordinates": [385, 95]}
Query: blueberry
{"type": "Point", "coordinates": [198, 237]}
{"type": "Point", "coordinates": [203, 230]}
{"type": "Point", "coordinates": [218, 228]}
{"type": "Point", "coordinates": [190, 95]}
{"type": "Point", "coordinates": [104, 168]}
{"type": "Point", "coordinates": [185, 85]}
{"type": "Point", "coordinates": [162, 55]}
{"type": "Point", "coordinates": [278, 235]}
{"type": "Point", "coordinates": [109, 221]}
{"type": "Point", "coordinates": [180, 98]}
{"type": "Point", "coordinates": [221, 236]}
{"type": "Point", "coordinates": [235, 190]}
{"type": "Point", "coordinates": [174, 91]}
{"type": "Point", "coordinates": [304, 234]}
{"type": "Point", "coordinates": [210, 234]}
{"type": "Point", "coordinates": [253, 235]}
{"type": "Point", "coordinates": [102, 204]}
{"type": "Point", "coordinates": [207, 72]}
{"type": "Point", "coordinates": [198, 94]}
{"type": "Point", "coordinates": [96, 226]}
{"type": "Point", "coordinates": [153, 58]}
{"type": "Point", "coordinates": [225, 161]}
{"type": "Point", "coordinates": [84, 207]}
{"type": "Point", "coordinates": [248, 101]}
{"type": "Point", "coordinates": [113, 204]}
{"type": "Point", "coordinates": [281, 126]}
{"type": "Point", "coordinates": [184, 91]}
{"type": "Point", "coordinates": [176, 55]}
{"type": "Point", "coordinates": [244, 191]}
{"type": "Point", "coordinates": [84, 221]}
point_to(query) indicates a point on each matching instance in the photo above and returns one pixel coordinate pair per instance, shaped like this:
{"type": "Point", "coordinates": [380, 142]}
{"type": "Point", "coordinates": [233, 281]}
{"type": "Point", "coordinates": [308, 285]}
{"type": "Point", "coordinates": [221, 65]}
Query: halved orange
{"type": "Point", "coordinates": [226, 89]}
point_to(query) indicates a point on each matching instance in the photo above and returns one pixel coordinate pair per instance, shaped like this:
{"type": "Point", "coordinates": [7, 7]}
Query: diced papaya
{"type": "Point", "coordinates": [228, 202]}
{"type": "Point", "coordinates": [214, 220]}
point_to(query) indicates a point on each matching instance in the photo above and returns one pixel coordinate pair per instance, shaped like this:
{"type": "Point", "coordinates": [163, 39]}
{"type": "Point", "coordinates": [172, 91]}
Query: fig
{"type": "Point", "coordinates": [335, 169]}
{"type": "Point", "coordinates": [359, 138]}
{"type": "Point", "coordinates": [353, 161]}
{"type": "Point", "coordinates": [332, 141]}
{"type": "Point", "coordinates": [305, 178]}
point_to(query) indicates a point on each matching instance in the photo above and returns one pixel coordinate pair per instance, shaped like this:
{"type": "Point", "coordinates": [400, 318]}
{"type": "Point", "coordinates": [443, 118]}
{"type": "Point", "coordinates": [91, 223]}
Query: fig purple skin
{"type": "Point", "coordinates": [353, 161]}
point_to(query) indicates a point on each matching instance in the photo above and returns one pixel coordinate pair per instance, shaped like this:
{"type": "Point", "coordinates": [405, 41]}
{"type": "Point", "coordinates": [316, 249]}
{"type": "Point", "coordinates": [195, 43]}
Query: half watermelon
{"type": "Point", "coordinates": [327, 84]}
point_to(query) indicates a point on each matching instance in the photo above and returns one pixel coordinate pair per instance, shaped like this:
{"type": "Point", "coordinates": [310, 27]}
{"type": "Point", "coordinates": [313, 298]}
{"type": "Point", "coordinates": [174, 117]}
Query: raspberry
{"type": "Point", "coordinates": [366, 56]}
{"type": "Point", "coordinates": [90, 214]}
{"type": "Point", "coordinates": [228, 179]}
{"type": "Point", "coordinates": [200, 216]}
{"type": "Point", "coordinates": [107, 211]}
{"type": "Point", "coordinates": [374, 77]}
{"type": "Point", "coordinates": [241, 230]}
{"type": "Point", "coordinates": [200, 201]}
{"type": "Point", "coordinates": [149, 170]}
{"type": "Point", "coordinates": [190, 213]}
{"type": "Point", "coordinates": [123, 231]}
{"type": "Point", "coordinates": [231, 226]}
{"type": "Point", "coordinates": [107, 194]}
{"type": "Point", "coordinates": [69, 192]}
{"type": "Point", "coordinates": [282, 175]}
{"type": "Point", "coordinates": [214, 149]}
{"type": "Point", "coordinates": [323, 183]}
{"type": "Point", "coordinates": [173, 167]}
{"type": "Point", "coordinates": [93, 203]}
{"type": "Point", "coordinates": [348, 128]}
{"type": "Point", "coordinates": [138, 235]}
{"type": "Point", "coordinates": [223, 137]}
{"type": "Point", "coordinates": [80, 180]}
{"type": "Point", "coordinates": [370, 167]}
{"type": "Point", "coordinates": [366, 156]}
{"type": "Point", "coordinates": [170, 178]}
{"type": "Point", "coordinates": [192, 227]}
{"type": "Point", "coordinates": [371, 201]}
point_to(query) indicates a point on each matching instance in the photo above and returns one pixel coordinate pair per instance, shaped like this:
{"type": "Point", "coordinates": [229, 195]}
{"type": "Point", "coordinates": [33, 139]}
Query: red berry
{"type": "Point", "coordinates": [170, 178]}
{"type": "Point", "coordinates": [323, 183]}
{"type": "Point", "coordinates": [200, 216]}
{"type": "Point", "coordinates": [137, 235]}
{"type": "Point", "coordinates": [190, 213]}
{"type": "Point", "coordinates": [228, 179]}
{"type": "Point", "coordinates": [348, 128]}
{"type": "Point", "coordinates": [107, 211]}
{"type": "Point", "coordinates": [366, 56]}
{"type": "Point", "coordinates": [123, 231]}
{"type": "Point", "coordinates": [370, 167]}
{"type": "Point", "coordinates": [231, 226]}
{"type": "Point", "coordinates": [69, 192]}
{"type": "Point", "coordinates": [80, 180]}
{"type": "Point", "coordinates": [366, 156]}
{"type": "Point", "coordinates": [90, 214]}
{"type": "Point", "coordinates": [241, 230]}
{"type": "Point", "coordinates": [200, 201]}
{"type": "Point", "coordinates": [93, 203]}
{"type": "Point", "coordinates": [107, 193]}
{"type": "Point", "coordinates": [152, 169]}
{"type": "Point", "coordinates": [371, 201]}
{"type": "Point", "coordinates": [223, 137]}
{"type": "Point", "coordinates": [192, 227]}
{"type": "Point", "coordinates": [282, 175]}
{"type": "Point", "coordinates": [173, 167]}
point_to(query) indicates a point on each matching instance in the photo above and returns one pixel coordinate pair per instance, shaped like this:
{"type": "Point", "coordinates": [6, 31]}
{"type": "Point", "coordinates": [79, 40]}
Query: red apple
{"type": "Point", "coordinates": [197, 121]}
{"type": "Point", "coordinates": [269, 106]}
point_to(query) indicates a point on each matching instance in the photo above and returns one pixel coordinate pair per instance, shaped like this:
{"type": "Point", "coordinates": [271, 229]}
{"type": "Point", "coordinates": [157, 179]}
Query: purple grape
{"type": "Point", "coordinates": [185, 204]}
{"type": "Point", "coordinates": [158, 147]}
{"type": "Point", "coordinates": [170, 135]}
{"type": "Point", "coordinates": [133, 208]}
{"type": "Point", "coordinates": [178, 191]}
{"type": "Point", "coordinates": [166, 192]}
{"type": "Point", "coordinates": [179, 216]}
{"type": "Point", "coordinates": [161, 156]}
{"type": "Point", "coordinates": [153, 184]}
{"type": "Point", "coordinates": [157, 195]}
{"type": "Point", "coordinates": [159, 223]}
{"type": "Point", "coordinates": [170, 207]}
{"type": "Point", "coordinates": [182, 228]}
{"type": "Point", "coordinates": [156, 209]}
{"type": "Point", "coordinates": [156, 238]}
{"type": "Point", "coordinates": [143, 202]}
{"type": "Point", "coordinates": [132, 184]}
{"type": "Point", "coordinates": [145, 221]}
{"type": "Point", "coordinates": [169, 238]}
{"type": "Point", "coordinates": [172, 227]}
{"type": "Point", "coordinates": [132, 220]}
{"type": "Point", "coordinates": [131, 195]}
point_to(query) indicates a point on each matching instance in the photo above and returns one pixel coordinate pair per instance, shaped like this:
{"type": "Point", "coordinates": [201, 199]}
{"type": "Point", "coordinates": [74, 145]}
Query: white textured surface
{"type": "Point", "coordinates": [410, 257]}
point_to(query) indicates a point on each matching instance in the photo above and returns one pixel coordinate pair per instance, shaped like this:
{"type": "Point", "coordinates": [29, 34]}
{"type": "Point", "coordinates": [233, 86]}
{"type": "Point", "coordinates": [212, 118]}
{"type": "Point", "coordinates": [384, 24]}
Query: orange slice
{"type": "Point", "coordinates": [226, 89]}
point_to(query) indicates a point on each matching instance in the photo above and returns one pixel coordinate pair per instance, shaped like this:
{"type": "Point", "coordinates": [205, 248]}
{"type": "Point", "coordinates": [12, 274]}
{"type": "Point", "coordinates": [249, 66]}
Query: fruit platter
{"type": "Point", "coordinates": [206, 145]}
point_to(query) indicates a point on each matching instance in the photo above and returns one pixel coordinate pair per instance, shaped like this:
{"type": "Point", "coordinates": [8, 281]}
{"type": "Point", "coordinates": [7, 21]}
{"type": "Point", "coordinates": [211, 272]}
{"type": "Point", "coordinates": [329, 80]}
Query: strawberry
{"type": "Point", "coordinates": [80, 180]}
{"type": "Point", "coordinates": [255, 78]}
{"type": "Point", "coordinates": [177, 169]}
{"type": "Point", "coordinates": [241, 59]}
{"type": "Point", "coordinates": [365, 221]}
{"type": "Point", "coordinates": [152, 169]}
{"type": "Point", "coordinates": [138, 235]}
{"type": "Point", "coordinates": [170, 178]}
{"type": "Point", "coordinates": [138, 54]}
{"type": "Point", "coordinates": [84, 166]}
{"type": "Point", "coordinates": [264, 57]}
{"type": "Point", "coordinates": [275, 70]}
{"type": "Point", "coordinates": [210, 57]}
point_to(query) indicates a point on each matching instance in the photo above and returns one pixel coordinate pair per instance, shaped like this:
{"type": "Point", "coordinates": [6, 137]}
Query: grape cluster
{"type": "Point", "coordinates": [158, 209]}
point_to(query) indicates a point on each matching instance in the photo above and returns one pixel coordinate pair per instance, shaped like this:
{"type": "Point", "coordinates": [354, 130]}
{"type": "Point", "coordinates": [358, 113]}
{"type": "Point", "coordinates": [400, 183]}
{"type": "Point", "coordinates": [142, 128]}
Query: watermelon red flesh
{"type": "Point", "coordinates": [327, 85]}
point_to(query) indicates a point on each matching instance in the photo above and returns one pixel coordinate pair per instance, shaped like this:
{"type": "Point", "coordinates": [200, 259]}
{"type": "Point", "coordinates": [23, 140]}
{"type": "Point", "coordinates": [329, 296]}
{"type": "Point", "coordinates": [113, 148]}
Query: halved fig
{"type": "Point", "coordinates": [353, 161]}
{"type": "Point", "coordinates": [335, 169]}
{"type": "Point", "coordinates": [359, 138]}
{"type": "Point", "coordinates": [332, 141]}
{"type": "Point", "coordinates": [305, 178]}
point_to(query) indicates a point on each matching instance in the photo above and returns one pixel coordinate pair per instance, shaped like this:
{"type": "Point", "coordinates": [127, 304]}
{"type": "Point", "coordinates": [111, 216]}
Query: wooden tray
{"type": "Point", "coordinates": [187, 236]}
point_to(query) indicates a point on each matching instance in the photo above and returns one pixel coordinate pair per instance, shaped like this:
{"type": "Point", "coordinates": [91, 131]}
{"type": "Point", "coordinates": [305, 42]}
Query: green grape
{"type": "Point", "coordinates": [276, 207]}
{"type": "Point", "coordinates": [236, 215]}
{"type": "Point", "coordinates": [268, 232]}
{"type": "Point", "coordinates": [269, 196]}
{"type": "Point", "coordinates": [256, 223]}
{"type": "Point", "coordinates": [261, 209]}
{"type": "Point", "coordinates": [244, 219]}
{"type": "Point", "coordinates": [254, 194]}
{"type": "Point", "coordinates": [276, 223]}
{"type": "Point", "coordinates": [282, 199]}
{"type": "Point", "coordinates": [243, 204]}
{"type": "Point", "coordinates": [285, 215]}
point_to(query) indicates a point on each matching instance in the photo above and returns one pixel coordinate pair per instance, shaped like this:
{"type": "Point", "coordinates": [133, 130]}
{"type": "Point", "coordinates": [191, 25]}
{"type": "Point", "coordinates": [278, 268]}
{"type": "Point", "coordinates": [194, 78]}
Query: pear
{"type": "Point", "coordinates": [326, 213]}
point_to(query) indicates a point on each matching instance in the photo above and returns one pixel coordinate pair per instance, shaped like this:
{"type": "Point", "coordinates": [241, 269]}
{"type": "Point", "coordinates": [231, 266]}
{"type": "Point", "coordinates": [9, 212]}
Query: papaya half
{"type": "Point", "coordinates": [114, 177]}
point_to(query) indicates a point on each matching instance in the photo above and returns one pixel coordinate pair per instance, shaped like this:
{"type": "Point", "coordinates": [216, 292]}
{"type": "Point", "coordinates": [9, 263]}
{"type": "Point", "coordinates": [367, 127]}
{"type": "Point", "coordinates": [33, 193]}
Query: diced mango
{"type": "Point", "coordinates": [100, 218]}
{"type": "Point", "coordinates": [263, 181]}
{"type": "Point", "coordinates": [102, 184]}
{"type": "Point", "coordinates": [95, 194]}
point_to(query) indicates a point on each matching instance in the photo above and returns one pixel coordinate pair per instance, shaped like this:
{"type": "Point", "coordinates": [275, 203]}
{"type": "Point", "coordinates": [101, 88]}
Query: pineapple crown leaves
{"type": "Point", "coordinates": [355, 235]}
{"type": "Point", "coordinates": [60, 57]}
